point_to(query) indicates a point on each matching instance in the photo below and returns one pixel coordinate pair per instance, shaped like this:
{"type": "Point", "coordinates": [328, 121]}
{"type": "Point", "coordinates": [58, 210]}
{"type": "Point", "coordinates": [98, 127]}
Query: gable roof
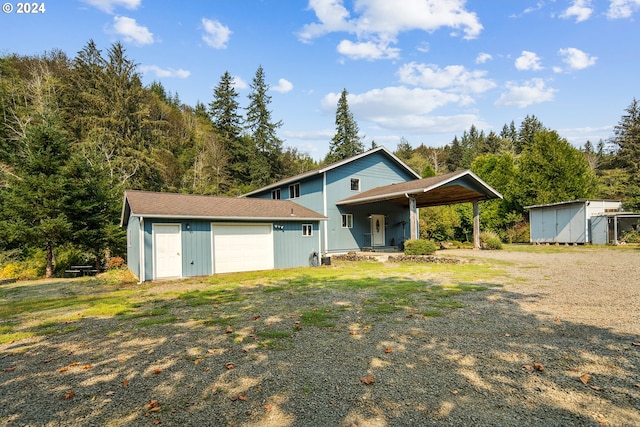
{"type": "Point", "coordinates": [151, 204]}
{"type": "Point", "coordinates": [454, 187]}
{"type": "Point", "coordinates": [335, 165]}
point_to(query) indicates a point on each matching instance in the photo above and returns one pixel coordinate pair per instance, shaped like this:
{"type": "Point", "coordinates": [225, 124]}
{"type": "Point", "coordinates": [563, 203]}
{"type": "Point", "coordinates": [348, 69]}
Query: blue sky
{"type": "Point", "coordinates": [425, 70]}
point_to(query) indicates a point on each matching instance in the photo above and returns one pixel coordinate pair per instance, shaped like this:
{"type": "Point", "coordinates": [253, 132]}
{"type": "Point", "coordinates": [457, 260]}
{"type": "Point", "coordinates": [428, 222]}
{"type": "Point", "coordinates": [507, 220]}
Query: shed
{"type": "Point", "coordinates": [614, 228]}
{"type": "Point", "coordinates": [567, 222]}
{"type": "Point", "coordinates": [184, 235]}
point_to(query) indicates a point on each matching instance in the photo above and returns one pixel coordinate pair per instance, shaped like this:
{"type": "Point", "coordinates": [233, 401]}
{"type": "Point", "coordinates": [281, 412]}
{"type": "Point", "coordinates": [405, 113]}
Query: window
{"type": "Point", "coordinates": [347, 220]}
{"type": "Point", "coordinates": [294, 191]}
{"type": "Point", "coordinates": [307, 230]}
{"type": "Point", "coordinates": [355, 184]}
{"type": "Point", "coordinates": [275, 194]}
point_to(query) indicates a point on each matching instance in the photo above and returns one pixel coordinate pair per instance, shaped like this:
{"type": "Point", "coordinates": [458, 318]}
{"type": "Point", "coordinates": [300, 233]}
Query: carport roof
{"type": "Point", "coordinates": [151, 204]}
{"type": "Point", "coordinates": [456, 187]}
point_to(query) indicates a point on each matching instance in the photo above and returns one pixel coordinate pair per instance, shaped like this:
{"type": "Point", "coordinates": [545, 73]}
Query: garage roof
{"type": "Point", "coordinates": [455, 187]}
{"type": "Point", "coordinates": [151, 204]}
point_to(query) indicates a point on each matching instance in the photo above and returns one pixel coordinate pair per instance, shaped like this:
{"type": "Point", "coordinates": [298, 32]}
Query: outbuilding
{"type": "Point", "coordinates": [172, 235]}
{"type": "Point", "coordinates": [615, 228]}
{"type": "Point", "coordinates": [567, 222]}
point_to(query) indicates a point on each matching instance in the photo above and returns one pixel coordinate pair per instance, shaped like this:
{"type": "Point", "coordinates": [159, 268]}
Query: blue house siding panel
{"type": "Point", "coordinates": [310, 193]}
{"type": "Point", "coordinates": [196, 249]}
{"type": "Point", "coordinates": [133, 245]}
{"type": "Point", "coordinates": [291, 248]}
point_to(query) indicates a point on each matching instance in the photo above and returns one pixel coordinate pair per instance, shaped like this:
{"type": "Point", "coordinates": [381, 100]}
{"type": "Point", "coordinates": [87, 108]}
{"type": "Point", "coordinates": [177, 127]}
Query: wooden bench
{"type": "Point", "coordinates": [81, 270]}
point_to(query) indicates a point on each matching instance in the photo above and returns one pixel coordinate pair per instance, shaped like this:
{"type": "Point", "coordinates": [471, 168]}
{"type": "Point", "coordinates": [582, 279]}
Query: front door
{"type": "Point", "coordinates": [167, 246]}
{"type": "Point", "coordinates": [377, 230]}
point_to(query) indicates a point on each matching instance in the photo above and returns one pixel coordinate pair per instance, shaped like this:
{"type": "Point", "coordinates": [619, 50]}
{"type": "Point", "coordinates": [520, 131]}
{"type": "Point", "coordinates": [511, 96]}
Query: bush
{"type": "Point", "coordinates": [115, 263]}
{"type": "Point", "coordinates": [518, 233]}
{"type": "Point", "coordinates": [490, 240]}
{"type": "Point", "coordinates": [29, 266]}
{"type": "Point", "coordinates": [68, 255]}
{"type": "Point", "coordinates": [630, 237]}
{"type": "Point", "coordinates": [419, 247]}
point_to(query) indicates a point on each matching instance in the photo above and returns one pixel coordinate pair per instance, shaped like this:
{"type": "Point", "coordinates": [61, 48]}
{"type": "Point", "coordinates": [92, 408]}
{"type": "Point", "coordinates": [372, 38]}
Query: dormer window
{"type": "Point", "coordinates": [294, 190]}
{"type": "Point", "coordinates": [355, 184]}
{"type": "Point", "coordinates": [275, 194]}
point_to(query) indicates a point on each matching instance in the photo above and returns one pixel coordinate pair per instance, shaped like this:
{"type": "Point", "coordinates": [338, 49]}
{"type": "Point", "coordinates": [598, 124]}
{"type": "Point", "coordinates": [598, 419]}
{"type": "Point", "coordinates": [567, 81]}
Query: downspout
{"type": "Point", "coordinates": [141, 238]}
{"type": "Point", "coordinates": [324, 212]}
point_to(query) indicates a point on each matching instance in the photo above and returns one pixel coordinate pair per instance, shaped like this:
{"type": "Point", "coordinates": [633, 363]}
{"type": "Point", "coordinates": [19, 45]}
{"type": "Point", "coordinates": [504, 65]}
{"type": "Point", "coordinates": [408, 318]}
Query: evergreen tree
{"type": "Point", "coordinates": [455, 157]}
{"type": "Point", "coordinates": [528, 128]}
{"type": "Point", "coordinates": [627, 140]}
{"type": "Point", "coordinates": [262, 129]}
{"type": "Point", "coordinates": [346, 142]}
{"type": "Point", "coordinates": [404, 151]}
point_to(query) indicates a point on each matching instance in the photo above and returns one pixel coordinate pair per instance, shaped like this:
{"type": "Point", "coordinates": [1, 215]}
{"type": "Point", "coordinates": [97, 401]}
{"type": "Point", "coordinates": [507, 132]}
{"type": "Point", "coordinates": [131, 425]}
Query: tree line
{"type": "Point", "coordinates": [76, 132]}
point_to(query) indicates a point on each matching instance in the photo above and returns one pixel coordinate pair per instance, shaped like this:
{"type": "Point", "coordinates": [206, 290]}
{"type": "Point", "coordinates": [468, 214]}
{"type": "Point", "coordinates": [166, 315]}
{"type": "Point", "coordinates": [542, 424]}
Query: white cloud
{"type": "Point", "coordinates": [532, 92]}
{"type": "Point", "coordinates": [622, 8]}
{"type": "Point", "coordinates": [238, 83]}
{"type": "Point", "coordinates": [165, 72]}
{"type": "Point", "coordinates": [576, 59]}
{"type": "Point", "coordinates": [376, 23]}
{"type": "Point", "coordinates": [131, 31]}
{"type": "Point", "coordinates": [215, 34]}
{"type": "Point", "coordinates": [528, 61]}
{"type": "Point", "coordinates": [454, 77]}
{"type": "Point", "coordinates": [108, 6]}
{"type": "Point", "coordinates": [367, 50]}
{"type": "Point", "coordinates": [580, 9]}
{"type": "Point", "coordinates": [483, 57]}
{"type": "Point", "coordinates": [284, 86]}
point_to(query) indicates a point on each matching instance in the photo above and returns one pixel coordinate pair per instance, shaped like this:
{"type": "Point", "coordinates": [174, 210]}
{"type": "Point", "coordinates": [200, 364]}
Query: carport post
{"type": "Point", "coordinates": [476, 225]}
{"type": "Point", "coordinates": [413, 218]}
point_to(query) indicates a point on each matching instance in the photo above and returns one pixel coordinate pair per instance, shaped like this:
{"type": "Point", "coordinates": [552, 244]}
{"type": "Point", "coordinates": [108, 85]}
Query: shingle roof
{"type": "Point", "coordinates": [454, 187]}
{"type": "Point", "coordinates": [174, 205]}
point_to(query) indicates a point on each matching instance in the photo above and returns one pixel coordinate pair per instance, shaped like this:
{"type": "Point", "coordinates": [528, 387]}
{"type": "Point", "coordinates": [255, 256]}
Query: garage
{"type": "Point", "coordinates": [242, 247]}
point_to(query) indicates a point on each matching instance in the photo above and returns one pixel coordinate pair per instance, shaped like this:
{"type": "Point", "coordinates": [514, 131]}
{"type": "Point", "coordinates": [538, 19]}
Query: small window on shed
{"type": "Point", "coordinates": [347, 220]}
{"type": "Point", "coordinates": [294, 190]}
{"type": "Point", "coordinates": [307, 230]}
{"type": "Point", "coordinates": [275, 194]}
{"type": "Point", "coordinates": [355, 184]}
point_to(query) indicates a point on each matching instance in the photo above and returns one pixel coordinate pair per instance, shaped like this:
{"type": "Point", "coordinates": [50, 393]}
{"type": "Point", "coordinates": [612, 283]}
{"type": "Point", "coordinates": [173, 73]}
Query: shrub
{"type": "Point", "coordinates": [419, 247]}
{"type": "Point", "coordinates": [490, 240]}
{"type": "Point", "coordinates": [630, 237]}
{"type": "Point", "coordinates": [518, 233]}
{"type": "Point", "coordinates": [115, 262]}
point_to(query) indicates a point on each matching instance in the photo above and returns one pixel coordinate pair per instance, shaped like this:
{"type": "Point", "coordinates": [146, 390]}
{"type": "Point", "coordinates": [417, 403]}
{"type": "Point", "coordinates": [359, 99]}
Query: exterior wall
{"type": "Point", "coordinates": [291, 248]}
{"type": "Point", "coordinates": [600, 230]}
{"type": "Point", "coordinates": [133, 245]}
{"type": "Point", "coordinates": [559, 224]}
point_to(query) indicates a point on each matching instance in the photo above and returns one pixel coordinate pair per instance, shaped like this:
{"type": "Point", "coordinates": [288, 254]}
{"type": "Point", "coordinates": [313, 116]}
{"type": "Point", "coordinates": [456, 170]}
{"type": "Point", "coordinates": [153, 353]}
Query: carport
{"type": "Point", "coordinates": [452, 188]}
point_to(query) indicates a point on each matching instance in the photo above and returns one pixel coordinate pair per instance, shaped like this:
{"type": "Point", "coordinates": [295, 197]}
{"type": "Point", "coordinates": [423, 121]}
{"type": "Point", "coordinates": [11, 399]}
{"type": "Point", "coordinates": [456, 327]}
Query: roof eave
{"type": "Point", "coordinates": [231, 218]}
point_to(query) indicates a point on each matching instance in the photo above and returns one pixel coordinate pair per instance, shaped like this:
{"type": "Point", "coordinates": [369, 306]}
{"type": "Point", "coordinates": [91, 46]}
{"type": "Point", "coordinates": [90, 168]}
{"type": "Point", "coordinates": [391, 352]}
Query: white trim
{"type": "Point", "coordinates": [325, 212]}
{"type": "Point", "coordinates": [141, 249]}
{"type": "Point", "coordinates": [384, 236]}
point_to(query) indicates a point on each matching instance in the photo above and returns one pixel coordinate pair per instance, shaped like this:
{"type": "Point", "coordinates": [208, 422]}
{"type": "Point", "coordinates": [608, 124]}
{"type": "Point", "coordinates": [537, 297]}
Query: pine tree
{"type": "Point", "coordinates": [346, 142]}
{"type": "Point", "coordinates": [262, 129]}
{"type": "Point", "coordinates": [528, 128]}
{"type": "Point", "coordinates": [627, 140]}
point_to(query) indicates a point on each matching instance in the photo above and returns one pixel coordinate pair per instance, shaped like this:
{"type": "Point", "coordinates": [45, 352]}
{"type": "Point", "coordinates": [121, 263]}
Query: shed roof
{"type": "Point", "coordinates": [151, 204]}
{"type": "Point", "coordinates": [455, 187]}
{"type": "Point", "coordinates": [321, 170]}
{"type": "Point", "coordinates": [571, 202]}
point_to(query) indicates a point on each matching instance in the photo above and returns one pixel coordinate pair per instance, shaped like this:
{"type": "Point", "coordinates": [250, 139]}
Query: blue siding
{"type": "Point", "coordinates": [196, 249]}
{"type": "Point", "coordinates": [291, 248]}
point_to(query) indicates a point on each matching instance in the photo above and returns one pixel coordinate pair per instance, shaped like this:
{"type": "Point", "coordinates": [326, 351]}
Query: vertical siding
{"type": "Point", "coordinates": [291, 248]}
{"type": "Point", "coordinates": [133, 245]}
{"type": "Point", "coordinates": [196, 249]}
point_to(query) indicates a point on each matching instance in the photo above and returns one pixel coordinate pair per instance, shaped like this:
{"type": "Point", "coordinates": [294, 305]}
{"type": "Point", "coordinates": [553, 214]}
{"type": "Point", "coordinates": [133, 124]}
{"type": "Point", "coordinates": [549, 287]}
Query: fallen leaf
{"type": "Point", "coordinates": [10, 369]}
{"type": "Point", "coordinates": [125, 383]}
{"type": "Point", "coordinates": [73, 364]}
{"type": "Point", "coordinates": [242, 397]}
{"type": "Point", "coordinates": [602, 422]}
{"type": "Point", "coordinates": [153, 405]}
{"type": "Point", "coordinates": [596, 388]}
{"type": "Point", "coordinates": [256, 317]}
{"type": "Point", "coordinates": [63, 369]}
{"type": "Point", "coordinates": [229, 365]}
{"type": "Point", "coordinates": [538, 367]}
{"type": "Point", "coordinates": [409, 316]}
{"type": "Point", "coordinates": [157, 371]}
{"type": "Point", "coordinates": [267, 407]}
{"type": "Point", "coordinates": [197, 361]}
{"type": "Point", "coordinates": [527, 368]}
{"type": "Point", "coordinates": [87, 366]}
{"type": "Point", "coordinates": [229, 330]}
{"type": "Point", "coordinates": [368, 380]}
{"type": "Point", "coordinates": [110, 393]}
{"type": "Point", "coordinates": [48, 360]}
{"type": "Point", "coordinates": [157, 421]}
{"type": "Point", "coordinates": [69, 395]}
{"type": "Point", "coordinates": [388, 350]}
{"type": "Point", "coordinates": [585, 378]}
{"type": "Point", "coordinates": [353, 332]}
{"type": "Point", "coordinates": [507, 335]}
{"type": "Point", "coordinates": [454, 391]}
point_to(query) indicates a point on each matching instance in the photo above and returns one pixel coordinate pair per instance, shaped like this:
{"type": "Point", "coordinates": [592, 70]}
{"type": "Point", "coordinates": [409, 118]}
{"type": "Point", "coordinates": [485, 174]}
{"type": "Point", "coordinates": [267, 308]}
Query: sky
{"type": "Point", "coordinates": [422, 70]}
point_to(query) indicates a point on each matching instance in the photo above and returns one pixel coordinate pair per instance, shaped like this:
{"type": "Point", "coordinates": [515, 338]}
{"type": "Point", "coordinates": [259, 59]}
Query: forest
{"type": "Point", "coordinates": [75, 133]}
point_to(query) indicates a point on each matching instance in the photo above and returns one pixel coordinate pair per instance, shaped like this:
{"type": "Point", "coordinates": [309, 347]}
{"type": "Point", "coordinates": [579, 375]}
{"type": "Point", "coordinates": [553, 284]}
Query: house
{"type": "Point", "coordinates": [567, 222]}
{"type": "Point", "coordinates": [368, 201]}
{"type": "Point", "coordinates": [371, 200]}
{"type": "Point", "coordinates": [183, 235]}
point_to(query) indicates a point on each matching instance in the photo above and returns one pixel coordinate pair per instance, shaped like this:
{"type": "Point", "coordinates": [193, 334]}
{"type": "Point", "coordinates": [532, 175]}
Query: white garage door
{"type": "Point", "coordinates": [242, 247]}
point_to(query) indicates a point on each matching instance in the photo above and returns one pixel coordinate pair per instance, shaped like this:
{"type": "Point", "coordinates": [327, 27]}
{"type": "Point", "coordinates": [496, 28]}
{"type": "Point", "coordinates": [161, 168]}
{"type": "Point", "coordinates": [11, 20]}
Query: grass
{"type": "Point", "coordinates": [63, 306]}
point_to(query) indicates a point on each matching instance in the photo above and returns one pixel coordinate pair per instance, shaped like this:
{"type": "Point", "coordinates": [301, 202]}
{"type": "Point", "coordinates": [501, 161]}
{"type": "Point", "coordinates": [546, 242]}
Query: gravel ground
{"type": "Point", "coordinates": [551, 342]}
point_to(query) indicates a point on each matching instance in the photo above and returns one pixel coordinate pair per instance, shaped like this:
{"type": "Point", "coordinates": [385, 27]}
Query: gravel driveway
{"type": "Point", "coordinates": [553, 341]}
